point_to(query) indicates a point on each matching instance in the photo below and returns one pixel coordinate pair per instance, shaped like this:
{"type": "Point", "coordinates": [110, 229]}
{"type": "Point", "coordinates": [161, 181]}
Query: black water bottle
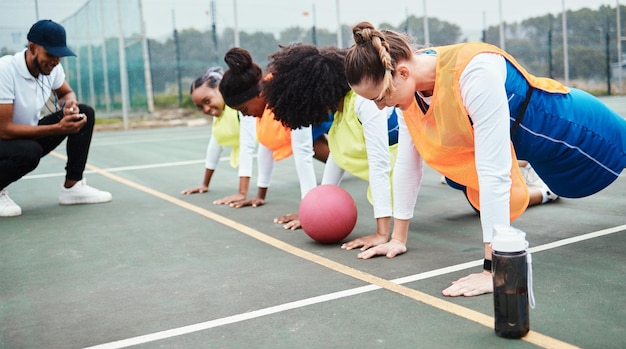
{"type": "Point", "coordinates": [510, 263]}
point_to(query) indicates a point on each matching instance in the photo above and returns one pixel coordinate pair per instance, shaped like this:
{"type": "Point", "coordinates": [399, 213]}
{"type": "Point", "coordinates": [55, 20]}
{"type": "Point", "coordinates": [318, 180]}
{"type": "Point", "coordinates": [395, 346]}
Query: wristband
{"type": "Point", "coordinates": [487, 264]}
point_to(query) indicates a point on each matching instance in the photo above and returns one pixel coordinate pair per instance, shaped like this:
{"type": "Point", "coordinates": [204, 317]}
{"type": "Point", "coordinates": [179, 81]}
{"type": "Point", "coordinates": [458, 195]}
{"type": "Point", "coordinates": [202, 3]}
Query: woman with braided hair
{"type": "Point", "coordinates": [241, 90]}
{"type": "Point", "coordinates": [356, 143]}
{"type": "Point", "coordinates": [469, 111]}
{"type": "Point", "coordinates": [229, 129]}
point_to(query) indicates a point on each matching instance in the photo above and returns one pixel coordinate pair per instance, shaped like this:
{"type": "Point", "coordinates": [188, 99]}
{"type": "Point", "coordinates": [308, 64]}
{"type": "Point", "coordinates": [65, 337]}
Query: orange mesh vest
{"type": "Point", "coordinates": [272, 134]}
{"type": "Point", "coordinates": [444, 135]}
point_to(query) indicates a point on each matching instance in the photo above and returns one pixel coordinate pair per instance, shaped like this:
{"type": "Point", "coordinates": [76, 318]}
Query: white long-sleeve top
{"type": "Point", "coordinates": [302, 146]}
{"type": "Point", "coordinates": [374, 121]}
{"type": "Point", "coordinates": [265, 163]}
{"type": "Point", "coordinates": [482, 86]}
{"type": "Point", "coordinates": [247, 144]}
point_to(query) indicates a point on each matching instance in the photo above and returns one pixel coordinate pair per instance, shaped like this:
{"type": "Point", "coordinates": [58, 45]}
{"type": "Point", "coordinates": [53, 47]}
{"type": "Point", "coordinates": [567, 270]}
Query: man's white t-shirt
{"type": "Point", "coordinates": [27, 94]}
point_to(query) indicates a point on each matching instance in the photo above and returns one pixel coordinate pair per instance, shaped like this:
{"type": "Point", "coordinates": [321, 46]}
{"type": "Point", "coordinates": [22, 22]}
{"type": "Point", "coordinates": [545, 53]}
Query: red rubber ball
{"type": "Point", "coordinates": [327, 213]}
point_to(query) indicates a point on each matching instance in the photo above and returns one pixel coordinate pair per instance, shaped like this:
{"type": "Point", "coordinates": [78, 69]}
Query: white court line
{"type": "Point", "coordinates": [233, 319]}
{"type": "Point", "coordinates": [579, 238]}
{"type": "Point", "coordinates": [143, 167]}
{"type": "Point", "coordinates": [128, 168]}
{"type": "Point", "coordinates": [111, 141]}
{"type": "Point", "coordinates": [331, 296]}
{"type": "Point", "coordinates": [102, 143]}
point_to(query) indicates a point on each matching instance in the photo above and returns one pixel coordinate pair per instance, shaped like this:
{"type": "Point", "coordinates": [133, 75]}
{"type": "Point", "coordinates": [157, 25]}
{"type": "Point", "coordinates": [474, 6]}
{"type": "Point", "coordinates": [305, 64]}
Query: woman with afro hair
{"type": "Point", "coordinates": [241, 88]}
{"type": "Point", "coordinates": [357, 145]}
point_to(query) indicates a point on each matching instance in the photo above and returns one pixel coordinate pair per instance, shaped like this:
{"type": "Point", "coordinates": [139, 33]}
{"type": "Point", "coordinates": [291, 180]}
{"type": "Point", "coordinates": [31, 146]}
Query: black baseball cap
{"type": "Point", "coordinates": [51, 36]}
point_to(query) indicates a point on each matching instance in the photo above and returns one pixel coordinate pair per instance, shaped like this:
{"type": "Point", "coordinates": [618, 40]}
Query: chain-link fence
{"type": "Point", "coordinates": [112, 70]}
{"type": "Point", "coordinates": [119, 70]}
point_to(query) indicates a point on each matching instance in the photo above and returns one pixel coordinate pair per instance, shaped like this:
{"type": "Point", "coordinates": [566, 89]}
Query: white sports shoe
{"type": "Point", "coordinates": [531, 177]}
{"type": "Point", "coordinates": [533, 181]}
{"type": "Point", "coordinates": [8, 208]}
{"type": "Point", "coordinates": [81, 193]}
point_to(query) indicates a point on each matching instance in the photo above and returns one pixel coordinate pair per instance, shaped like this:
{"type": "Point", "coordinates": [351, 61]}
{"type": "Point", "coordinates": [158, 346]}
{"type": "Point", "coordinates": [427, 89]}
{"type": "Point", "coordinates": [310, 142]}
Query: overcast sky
{"type": "Point", "coordinates": [274, 15]}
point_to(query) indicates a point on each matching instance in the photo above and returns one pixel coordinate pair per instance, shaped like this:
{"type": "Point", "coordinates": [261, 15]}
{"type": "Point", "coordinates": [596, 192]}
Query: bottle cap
{"type": "Point", "coordinates": [508, 239]}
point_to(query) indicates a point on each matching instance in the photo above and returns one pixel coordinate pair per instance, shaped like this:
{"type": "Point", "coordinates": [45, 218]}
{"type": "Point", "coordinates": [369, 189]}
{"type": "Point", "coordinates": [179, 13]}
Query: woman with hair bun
{"type": "Point", "coordinates": [469, 111]}
{"type": "Point", "coordinates": [241, 88]}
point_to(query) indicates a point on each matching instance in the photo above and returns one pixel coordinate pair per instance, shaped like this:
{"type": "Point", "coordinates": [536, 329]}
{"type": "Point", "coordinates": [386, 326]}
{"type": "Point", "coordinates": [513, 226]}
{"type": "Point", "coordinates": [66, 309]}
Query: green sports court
{"type": "Point", "coordinates": [157, 269]}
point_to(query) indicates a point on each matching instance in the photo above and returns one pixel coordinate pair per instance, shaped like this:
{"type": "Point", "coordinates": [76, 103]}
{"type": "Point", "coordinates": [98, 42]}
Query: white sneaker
{"type": "Point", "coordinates": [551, 196]}
{"type": "Point", "coordinates": [533, 181]}
{"type": "Point", "coordinates": [8, 208]}
{"type": "Point", "coordinates": [531, 177]}
{"type": "Point", "coordinates": [81, 193]}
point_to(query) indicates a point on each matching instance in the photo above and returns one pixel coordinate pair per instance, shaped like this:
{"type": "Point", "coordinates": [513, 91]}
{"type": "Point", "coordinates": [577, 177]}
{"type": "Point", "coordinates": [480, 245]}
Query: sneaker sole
{"type": "Point", "coordinates": [83, 201]}
{"type": "Point", "coordinates": [13, 214]}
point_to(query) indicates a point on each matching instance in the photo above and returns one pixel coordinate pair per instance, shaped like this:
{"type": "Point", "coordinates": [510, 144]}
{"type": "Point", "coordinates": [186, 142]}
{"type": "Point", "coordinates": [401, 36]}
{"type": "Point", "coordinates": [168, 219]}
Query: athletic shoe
{"type": "Point", "coordinates": [8, 208]}
{"type": "Point", "coordinates": [81, 193]}
{"type": "Point", "coordinates": [533, 181]}
{"type": "Point", "coordinates": [551, 196]}
{"type": "Point", "coordinates": [531, 177]}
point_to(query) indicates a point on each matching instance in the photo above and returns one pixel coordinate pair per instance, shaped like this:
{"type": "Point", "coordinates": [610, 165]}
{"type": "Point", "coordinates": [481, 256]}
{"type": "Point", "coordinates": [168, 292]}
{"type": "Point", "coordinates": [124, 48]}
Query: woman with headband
{"type": "Point", "coordinates": [470, 110]}
{"type": "Point", "coordinates": [229, 129]}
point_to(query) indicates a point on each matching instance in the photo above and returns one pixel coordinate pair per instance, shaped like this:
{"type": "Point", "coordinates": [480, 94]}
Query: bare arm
{"type": "Point", "coordinates": [258, 200]}
{"type": "Point", "coordinates": [237, 198]}
{"type": "Point", "coordinates": [10, 130]}
{"type": "Point", "coordinates": [395, 246]}
{"type": "Point", "coordinates": [208, 173]}
{"type": "Point", "coordinates": [66, 95]}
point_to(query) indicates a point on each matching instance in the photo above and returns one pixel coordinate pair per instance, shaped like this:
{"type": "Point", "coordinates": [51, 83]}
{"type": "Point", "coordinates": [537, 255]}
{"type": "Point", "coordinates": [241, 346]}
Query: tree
{"type": "Point", "coordinates": [533, 42]}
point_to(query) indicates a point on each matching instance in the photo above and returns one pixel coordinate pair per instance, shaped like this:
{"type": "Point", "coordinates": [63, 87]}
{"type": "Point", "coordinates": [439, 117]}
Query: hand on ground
{"type": "Point", "coordinates": [230, 199]}
{"type": "Point", "coordinates": [197, 190]}
{"type": "Point", "coordinates": [291, 221]}
{"type": "Point", "coordinates": [293, 225]}
{"type": "Point", "coordinates": [471, 285]}
{"type": "Point", "coordinates": [256, 202]}
{"type": "Point", "coordinates": [365, 242]}
{"type": "Point", "coordinates": [389, 249]}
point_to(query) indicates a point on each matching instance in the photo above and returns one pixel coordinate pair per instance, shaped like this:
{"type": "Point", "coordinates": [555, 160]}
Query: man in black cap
{"type": "Point", "coordinates": [27, 81]}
